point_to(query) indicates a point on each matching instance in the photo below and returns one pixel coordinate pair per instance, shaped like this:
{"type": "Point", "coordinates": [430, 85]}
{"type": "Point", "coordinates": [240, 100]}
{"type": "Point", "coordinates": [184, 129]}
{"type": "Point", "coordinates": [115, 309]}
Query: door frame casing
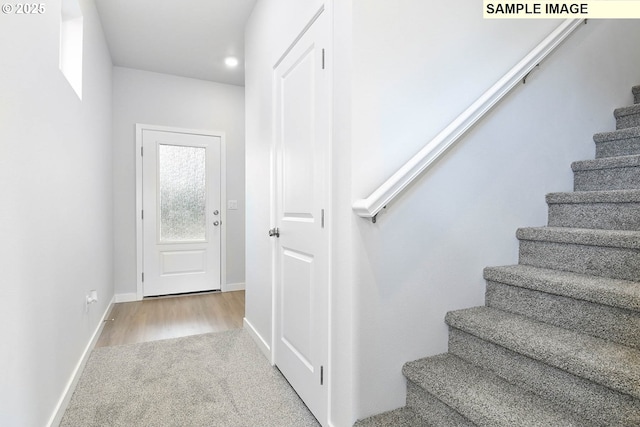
{"type": "Point", "coordinates": [140, 128]}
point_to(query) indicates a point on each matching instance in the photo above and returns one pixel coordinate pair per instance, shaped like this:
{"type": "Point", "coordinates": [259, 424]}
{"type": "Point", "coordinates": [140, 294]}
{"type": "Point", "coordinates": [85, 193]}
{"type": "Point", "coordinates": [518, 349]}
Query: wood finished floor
{"type": "Point", "coordinates": [172, 317]}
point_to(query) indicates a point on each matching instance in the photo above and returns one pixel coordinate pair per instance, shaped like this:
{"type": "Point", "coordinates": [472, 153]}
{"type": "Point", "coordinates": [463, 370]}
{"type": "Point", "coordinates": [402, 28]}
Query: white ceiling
{"type": "Point", "coordinates": [188, 38]}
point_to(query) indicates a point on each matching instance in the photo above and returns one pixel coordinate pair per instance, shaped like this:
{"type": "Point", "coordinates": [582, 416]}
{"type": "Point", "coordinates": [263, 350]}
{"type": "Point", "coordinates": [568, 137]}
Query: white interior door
{"type": "Point", "coordinates": [302, 142]}
{"type": "Point", "coordinates": [181, 212]}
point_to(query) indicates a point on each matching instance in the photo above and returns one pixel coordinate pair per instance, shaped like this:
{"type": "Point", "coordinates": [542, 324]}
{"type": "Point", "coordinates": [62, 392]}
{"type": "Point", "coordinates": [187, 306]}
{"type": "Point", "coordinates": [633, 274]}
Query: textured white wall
{"type": "Point", "coordinates": [56, 210]}
{"type": "Point", "coordinates": [425, 255]}
{"type": "Point", "coordinates": [164, 100]}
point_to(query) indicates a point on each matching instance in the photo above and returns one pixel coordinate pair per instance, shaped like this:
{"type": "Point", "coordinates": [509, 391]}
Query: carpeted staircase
{"type": "Point", "coordinates": [558, 340]}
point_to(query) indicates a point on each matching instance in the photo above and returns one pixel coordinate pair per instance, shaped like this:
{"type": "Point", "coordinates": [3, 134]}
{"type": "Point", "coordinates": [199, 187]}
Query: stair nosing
{"type": "Point", "coordinates": [594, 197]}
{"type": "Point", "coordinates": [616, 162]}
{"type": "Point", "coordinates": [617, 293]}
{"type": "Point", "coordinates": [626, 111]}
{"type": "Point", "coordinates": [625, 239]}
{"type": "Point", "coordinates": [617, 135]}
{"type": "Point", "coordinates": [554, 346]}
{"type": "Point", "coordinates": [506, 397]}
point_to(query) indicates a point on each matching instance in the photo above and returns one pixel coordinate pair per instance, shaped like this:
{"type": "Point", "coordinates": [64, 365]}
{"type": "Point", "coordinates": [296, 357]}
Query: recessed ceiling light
{"type": "Point", "coordinates": [230, 61]}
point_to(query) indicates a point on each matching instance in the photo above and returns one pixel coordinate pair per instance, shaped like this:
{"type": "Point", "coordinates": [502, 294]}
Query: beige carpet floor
{"type": "Point", "coordinates": [218, 379]}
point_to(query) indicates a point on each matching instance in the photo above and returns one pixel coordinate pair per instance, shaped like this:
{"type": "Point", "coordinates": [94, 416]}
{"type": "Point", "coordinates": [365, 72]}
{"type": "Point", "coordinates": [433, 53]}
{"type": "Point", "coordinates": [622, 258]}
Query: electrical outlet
{"type": "Point", "coordinates": [89, 299]}
{"type": "Point", "coordinates": [92, 297]}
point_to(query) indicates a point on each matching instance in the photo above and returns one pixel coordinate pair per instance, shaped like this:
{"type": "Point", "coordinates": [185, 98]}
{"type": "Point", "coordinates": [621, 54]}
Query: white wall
{"type": "Point", "coordinates": [56, 210]}
{"type": "Point", "coordinates": [164, 100]}
{"type": "Point", "coordinates": [343, 224]}
{"type": "Point", "coordinates": [425, 255]}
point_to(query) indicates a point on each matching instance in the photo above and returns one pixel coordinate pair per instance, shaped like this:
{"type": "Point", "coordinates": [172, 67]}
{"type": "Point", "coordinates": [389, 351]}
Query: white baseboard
{"type": "Point", "coordinates": [230, 287]}
{"type": "Point", "coordinates": [129, 297]}
{"type": "Point", "coordinates": [257, 338]}
{"type": "Point", "coordinates": [61, 407]}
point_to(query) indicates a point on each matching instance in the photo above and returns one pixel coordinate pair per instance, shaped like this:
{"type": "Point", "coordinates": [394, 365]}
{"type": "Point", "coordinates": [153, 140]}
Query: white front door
{"type": "Point", "coordinates": [181, 212]}
{"type": "Point", "coordinates": [301, 149]}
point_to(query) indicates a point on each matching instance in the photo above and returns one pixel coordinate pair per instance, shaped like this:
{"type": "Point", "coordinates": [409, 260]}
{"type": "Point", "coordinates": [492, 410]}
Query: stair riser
{"type": "Point", "coordinates": [433, 410]}
{"type": "Point", "coordinates": [607, 216]}
{"type": "Point", "coordinates": [607, 179]}
{"type": "Point", "coordinates": [628, 121]}
{"type": "Point", "coordinates": [619, 147]}
{"type": "Point", "coordinates": [607, 407]}
{"type": "Point", "coordinates": [616, 263]}
{"type": "Point", "coordinates": [598, 320]}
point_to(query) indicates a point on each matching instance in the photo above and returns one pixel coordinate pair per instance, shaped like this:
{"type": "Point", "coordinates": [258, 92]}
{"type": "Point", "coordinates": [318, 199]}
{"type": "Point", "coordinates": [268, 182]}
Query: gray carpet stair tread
{"type": "Point", "coordinates": [402, 417]}
{"type": "Point", "coordinates": [607, 163]}
{"type": "Point", "coordinates": [626, 111]}
{"type": "Point", "coordinates": [484, 398]}
{"type": "Point", "coordinates": [582, 236]}
{"type": "Point", "coordinates": [612, 292]}
{"type": "Point", "coordinates": [606, 363]}
{"type": "Point", "coordinates": [599, 196]}
{"type": "Point", "coordinates": [627, 117]}
{"type": "Point", "coordinates": [621, 142]}
{"type": "Point", "coordinates": [616, 135]}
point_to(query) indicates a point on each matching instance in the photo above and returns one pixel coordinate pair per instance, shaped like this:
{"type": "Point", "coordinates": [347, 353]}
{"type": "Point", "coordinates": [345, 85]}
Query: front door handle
{"type": "Point", "coordinates": [274, 232]}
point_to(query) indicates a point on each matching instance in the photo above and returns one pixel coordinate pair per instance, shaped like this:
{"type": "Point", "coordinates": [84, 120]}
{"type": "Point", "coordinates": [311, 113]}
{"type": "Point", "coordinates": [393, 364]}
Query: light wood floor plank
{"type": "Point", "coordinates": [172, 317]}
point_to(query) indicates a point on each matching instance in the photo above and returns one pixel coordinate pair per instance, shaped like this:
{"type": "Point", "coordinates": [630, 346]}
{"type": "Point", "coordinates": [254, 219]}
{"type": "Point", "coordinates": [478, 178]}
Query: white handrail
{"type": "Point", "coordinates": [383, 195]}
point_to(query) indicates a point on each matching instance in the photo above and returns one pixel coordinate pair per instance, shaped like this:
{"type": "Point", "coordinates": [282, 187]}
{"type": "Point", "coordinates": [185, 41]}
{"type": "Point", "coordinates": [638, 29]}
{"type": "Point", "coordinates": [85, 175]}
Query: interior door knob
{"type": "Point", "coordinates": [274, 232]}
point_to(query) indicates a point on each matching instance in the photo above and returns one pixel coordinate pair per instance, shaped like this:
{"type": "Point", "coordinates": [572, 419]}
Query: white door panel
{"type": "Point", "coordinates": [297, 294]}
{"type": "Point", "coordinates": [181, 192]}
{"type": "Point", "coordinates": [302, 140]}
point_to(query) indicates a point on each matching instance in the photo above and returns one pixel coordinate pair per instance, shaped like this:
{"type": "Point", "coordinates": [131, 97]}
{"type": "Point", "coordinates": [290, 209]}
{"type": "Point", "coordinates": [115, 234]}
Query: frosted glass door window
{"type": "Point", "coordinates": [183, 189]}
